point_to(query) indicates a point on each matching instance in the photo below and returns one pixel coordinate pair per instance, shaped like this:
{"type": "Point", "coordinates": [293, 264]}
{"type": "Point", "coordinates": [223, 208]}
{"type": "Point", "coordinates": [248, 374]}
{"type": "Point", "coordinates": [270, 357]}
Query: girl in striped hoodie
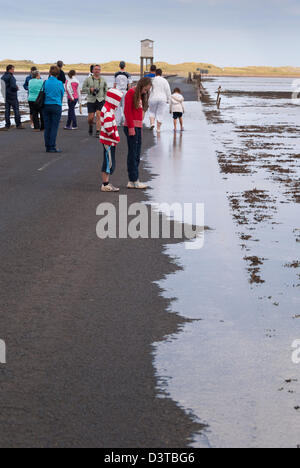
{"type": "Point", "coordinates": [109, 137]}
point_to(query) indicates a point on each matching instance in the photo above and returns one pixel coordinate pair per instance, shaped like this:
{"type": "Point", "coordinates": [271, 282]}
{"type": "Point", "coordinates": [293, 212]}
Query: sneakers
{"type": "Point", "coordinates": [109, 188]}
{"type": "Point", "coordinates": [67, 128]}
{"type": "Point", "coordinates": [137, 185]}
{"type": "Point", "coordinates": [97, 134]}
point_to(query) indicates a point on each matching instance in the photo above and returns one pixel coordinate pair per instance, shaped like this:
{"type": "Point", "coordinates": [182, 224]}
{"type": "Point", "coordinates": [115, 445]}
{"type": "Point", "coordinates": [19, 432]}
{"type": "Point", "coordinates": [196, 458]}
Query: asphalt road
{"type": "Point", "coordinates": [79, 315]}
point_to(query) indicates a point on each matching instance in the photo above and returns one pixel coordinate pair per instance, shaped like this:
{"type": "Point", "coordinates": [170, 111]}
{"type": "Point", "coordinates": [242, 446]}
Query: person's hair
{"type": "Point", "coordinates": [138, 96]}
{"type": "Point", "coordinates": [35, 73]}
{"type": "Point", "coordinates": [159, 72]}
{"type": "Point", "coordinates": [92, 68]}
{"type": "Point", "coordinates": [9, 67]}
{"type": "Point", "coordinates": [122, 65]}
{"type": "Point", "coordinates": [72, 73]}
{"type": "Point", "coordinates": [54, 71]}
{"type": "Point", "coordinates": [153, 68]}
{"type": "Point", "coordinates": [33, 69]}
{"type": "Point", "coordinates": [177, 90]}
{"type": "Point", "coordinates": [60, 64]}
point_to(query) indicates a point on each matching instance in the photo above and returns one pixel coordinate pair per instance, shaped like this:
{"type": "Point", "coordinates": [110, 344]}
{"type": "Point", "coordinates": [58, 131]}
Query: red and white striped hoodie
{"type": "Point", "coordinates": [109, 131]}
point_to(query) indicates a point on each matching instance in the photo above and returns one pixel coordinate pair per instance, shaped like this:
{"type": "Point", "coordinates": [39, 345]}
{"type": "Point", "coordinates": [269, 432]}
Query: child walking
{"type": "Point", "coordinates": [109, 137]}
{"type": "Point", "coordinates": [177, 108]}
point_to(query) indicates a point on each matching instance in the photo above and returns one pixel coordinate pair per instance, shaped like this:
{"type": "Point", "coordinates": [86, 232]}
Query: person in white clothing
{"type": "Point", "coordinates": [177, 108]}
{"type": "Point", "coordinates": [123, 82]}
{"type": "Point", "coordinates": [159, 99]}
{"type": "Point", "coordinates": [72, 87]}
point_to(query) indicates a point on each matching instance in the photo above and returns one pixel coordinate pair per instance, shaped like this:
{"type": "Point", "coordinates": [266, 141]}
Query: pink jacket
{"type": "Point", "coordinates": [73, 89]}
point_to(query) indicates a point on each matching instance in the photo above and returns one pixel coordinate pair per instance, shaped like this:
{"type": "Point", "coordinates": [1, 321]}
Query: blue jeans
{"type": "Point", "coordinates": [12, 103]}
{"type": "Point", "coordinates": [52, 115]}
{"type": "Point", "coordinates": [72, 121]}
{"type": "Point", "coordinates": [134, 153]}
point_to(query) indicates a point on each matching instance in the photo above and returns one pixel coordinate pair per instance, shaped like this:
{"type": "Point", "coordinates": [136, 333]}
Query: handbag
{"type": "Point", "coordinates": [40, 100]}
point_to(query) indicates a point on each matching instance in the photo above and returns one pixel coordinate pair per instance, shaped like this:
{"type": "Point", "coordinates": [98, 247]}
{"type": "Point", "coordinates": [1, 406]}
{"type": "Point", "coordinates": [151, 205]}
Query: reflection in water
{"type": "Point", "coordinates": [231, 366]}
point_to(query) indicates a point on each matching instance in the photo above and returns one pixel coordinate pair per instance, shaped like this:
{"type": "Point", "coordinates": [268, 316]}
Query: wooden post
{"type": "Point", "coordinates": [219, 97]}
{"type": "Point", "coordinates": [142, 67]}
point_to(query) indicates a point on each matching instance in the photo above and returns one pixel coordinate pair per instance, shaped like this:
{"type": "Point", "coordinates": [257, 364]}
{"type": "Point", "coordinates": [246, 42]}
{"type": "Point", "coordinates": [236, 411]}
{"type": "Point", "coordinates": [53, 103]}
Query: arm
{"type": "Point", "coordinates": [62, 89]}
{"type": "Point", "coordinates": [128, 112]}
{"type": "Point", "coordinates": [86, 87]}
{"type": "Point", "coordinates": [13, 85]}
{"type": "Point", "coordinates": [130, 81]}
{"type": "Point", "coordinates": [108, 124]}
{"type": "Point", "coordinates": [105, 89]}
{"type": "Point", "coordinates": [26, 84]}
{"type": "Point", "coordinates": [69, 90]}
{"type": "Point", "coordinates": [3, 89]}
{"type": "Point", "coordinates": [63, 76]}
{"type": "Point", "coordinates": [79, 94]}
{"type": "Point", "coordinates": [168, 91]}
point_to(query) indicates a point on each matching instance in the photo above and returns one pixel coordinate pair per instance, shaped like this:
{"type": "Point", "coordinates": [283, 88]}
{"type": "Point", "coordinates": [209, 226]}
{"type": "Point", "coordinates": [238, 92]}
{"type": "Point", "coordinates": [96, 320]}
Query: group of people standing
{"type": "Point", "coordinates": [124, 104]}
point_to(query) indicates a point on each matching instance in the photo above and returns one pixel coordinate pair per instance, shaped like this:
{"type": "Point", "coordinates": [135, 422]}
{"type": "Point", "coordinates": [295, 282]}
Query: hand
{"type": "Point", "coordinates": [92, 90]}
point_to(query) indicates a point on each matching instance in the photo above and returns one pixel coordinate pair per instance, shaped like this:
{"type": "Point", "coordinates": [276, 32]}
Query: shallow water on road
{"type": "Point", "coordinates": [231, 366]}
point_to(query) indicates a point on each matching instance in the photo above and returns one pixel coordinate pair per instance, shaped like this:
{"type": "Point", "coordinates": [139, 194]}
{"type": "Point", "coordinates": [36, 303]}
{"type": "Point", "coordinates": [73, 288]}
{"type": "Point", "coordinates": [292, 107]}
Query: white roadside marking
{"type": "Point", "coordinates": [49, 164]}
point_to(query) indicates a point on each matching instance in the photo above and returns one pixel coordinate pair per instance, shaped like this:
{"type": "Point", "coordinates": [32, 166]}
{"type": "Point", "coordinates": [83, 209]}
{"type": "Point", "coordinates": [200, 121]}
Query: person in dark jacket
{"type": "Point", "coordinates": [61, 77]}
{"type": "Point", "coordinates": [11, 97]}
{"type": "Point", "coordinates": [28, 78]}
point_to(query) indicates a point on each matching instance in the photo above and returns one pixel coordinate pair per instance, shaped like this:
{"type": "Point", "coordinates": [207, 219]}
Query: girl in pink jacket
{"type": "Point", "coordinates": [74, 97]}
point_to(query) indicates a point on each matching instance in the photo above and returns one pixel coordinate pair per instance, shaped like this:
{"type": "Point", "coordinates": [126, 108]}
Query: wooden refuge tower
{"type": "Point", "coordinates": [147, 55]}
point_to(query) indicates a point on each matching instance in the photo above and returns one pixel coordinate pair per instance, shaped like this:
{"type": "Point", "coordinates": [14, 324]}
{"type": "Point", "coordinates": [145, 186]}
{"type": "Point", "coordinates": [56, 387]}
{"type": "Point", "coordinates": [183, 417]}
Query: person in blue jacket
{"type": "Point", "coordinates": [28, 78]}
{"type": "Point", "coordinates": [54, 93]}
{"type": "Point", "coordinates": [11, 97]}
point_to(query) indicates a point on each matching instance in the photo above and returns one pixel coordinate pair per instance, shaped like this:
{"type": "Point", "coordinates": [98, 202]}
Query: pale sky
{"type": "Point", "coordinates": [222, 32]}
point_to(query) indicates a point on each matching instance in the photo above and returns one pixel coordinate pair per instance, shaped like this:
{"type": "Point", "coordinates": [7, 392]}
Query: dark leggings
{"type": "Point", "coordinates": [37, 117]}
{"type": "Point", "coordinates": [109, 160]}
{"type": "Point", "coordinates": [72, 120]}
{"type": "Point", "coordinates": [134, 153]}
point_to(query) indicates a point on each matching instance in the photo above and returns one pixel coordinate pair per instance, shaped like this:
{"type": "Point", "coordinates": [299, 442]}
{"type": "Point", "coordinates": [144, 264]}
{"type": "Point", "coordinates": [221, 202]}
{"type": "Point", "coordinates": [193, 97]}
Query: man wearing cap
{"type": "Point", "coordinates": [123, 82]}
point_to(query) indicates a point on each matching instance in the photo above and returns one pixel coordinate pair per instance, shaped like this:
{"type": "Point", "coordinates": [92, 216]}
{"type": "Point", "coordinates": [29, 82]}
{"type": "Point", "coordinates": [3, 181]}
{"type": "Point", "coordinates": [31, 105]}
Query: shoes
{"type": "Point", "coordinates": [32, 126]}
{"type": "Point", "coordinates": [97, 134]}
{"type": "Point", "coordinates": [67, 128]}
{"type": "Point", "coordinates": [54, 151]}
{"type": "Point", "coordinates": [109, 188]}
{"type": "Point", "coordinates": [20, 127]}
{"type": "Point", "coordinates": [91, 130]}
{"type": "Point", "coordinates": [74, 128]}
{"type": "Point", "coordinates": [137, 185]}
